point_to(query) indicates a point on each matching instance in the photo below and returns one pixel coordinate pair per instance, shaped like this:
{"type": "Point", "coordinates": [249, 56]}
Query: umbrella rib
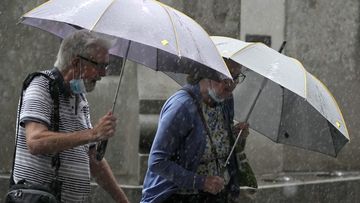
{"type": "Point", "coordinates": [157, 60]}
{"type": "Point", "coordinates": [305, 77]}
{"type": "Point", "coordinates": [172, 23]}
{"type": "Point", "coordinates": [97, 21]}
{"type": "Point", "coordinates": [247, 46]}
{"type": "Point", "coordinates": [35, 8]}
{"type": "Point", "coordinates": [281, 113]}
{"type": "Point", "coordinates": [337, 106]}
{"type": "Point", "coordinates": [332, 138]}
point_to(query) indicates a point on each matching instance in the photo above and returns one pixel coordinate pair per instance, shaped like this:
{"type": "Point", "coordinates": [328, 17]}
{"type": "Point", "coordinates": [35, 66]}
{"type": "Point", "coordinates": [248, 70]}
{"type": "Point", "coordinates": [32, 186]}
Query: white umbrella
{"type": "Point", "coordinates": [146, 31]}
{"type": "Point", "coordinates": [283, 101]}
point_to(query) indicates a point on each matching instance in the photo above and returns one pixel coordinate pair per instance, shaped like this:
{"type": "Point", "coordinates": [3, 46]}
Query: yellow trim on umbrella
{"type": "Point", "coordinates": [172, 23]}
{"type": "Point", "coordinates": [245, 47]}
{"type": "Point", "coordinates": [96, 22]}
{"type": "Point", "coordinates": [35, 8]}
{"type": "Point", "coordinates": [337, 108]}
{"type": "Point", "coordinates": [227, 39]}
{"type": "Point", "coordinates": [305, 71]}
{"type": "Point", "coordinates": [200, 27]}
{"type": "Point", "coordinates": [257, 43]}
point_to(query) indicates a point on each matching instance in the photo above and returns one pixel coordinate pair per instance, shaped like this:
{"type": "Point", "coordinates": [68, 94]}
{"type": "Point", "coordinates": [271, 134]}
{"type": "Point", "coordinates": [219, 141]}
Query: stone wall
{"type": "Point", "coordinates": [22, 50]}
{"type": "Point", "coordinates": [324, 36]}
{"type": "Point", "coordinates": [216, 17]}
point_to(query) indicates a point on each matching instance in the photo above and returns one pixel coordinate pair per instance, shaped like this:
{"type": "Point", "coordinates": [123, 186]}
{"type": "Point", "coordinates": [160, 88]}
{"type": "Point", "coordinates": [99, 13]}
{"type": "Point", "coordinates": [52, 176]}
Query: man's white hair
{"type": "Point", "coordinates": [79, 43]}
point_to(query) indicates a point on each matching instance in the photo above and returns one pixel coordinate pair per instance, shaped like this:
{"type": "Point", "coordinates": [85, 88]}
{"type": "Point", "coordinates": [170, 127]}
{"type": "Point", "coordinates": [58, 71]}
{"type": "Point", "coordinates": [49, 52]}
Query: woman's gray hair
{"type": "Point", "coordinates": [194, 78]}
{"type": "Point", "coordinates": [79, 43]}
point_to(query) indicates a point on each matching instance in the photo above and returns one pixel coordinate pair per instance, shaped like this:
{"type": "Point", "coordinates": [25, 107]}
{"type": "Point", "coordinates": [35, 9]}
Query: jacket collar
{"type": "Point", "coordinates": [196, 90]}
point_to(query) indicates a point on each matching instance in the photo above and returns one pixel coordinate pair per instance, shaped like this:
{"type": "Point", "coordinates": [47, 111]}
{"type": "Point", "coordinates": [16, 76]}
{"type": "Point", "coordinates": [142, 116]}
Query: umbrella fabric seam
{"type": "Point", "coordinates": [281, 113]}
{"type": "Point", "coordinates": [92, 28]}
{"type": "Point", "coordinates": [246, 47]}
{"type": "Point", "coordinates": [216, 49]}
{"type": "Point", "coordinates": [305, 77]}
{"type": "Point", "coordinates": [175, 33]}
{"type": "Point", "coordinates": [332, 140]}
{"type": "Point", "coordinates": [337, 106]}
{"type": "Point", "coordinates": [157, 60]}
{"type": "Point", "coordinates": [34, 9]}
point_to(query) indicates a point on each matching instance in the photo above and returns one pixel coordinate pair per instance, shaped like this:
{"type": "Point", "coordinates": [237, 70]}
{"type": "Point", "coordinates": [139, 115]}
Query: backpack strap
{"type": "Point", "coordinates": [54, 92]}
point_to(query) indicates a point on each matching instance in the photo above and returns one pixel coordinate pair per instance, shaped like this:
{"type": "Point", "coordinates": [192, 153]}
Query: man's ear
{"type": "Point", "coordinates": [75, 61]}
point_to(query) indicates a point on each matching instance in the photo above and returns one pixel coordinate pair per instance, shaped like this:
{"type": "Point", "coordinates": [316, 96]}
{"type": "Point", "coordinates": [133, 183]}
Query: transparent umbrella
{"type": "Point", "coordinates": [146, 32]}
{"type": "Point", "coordinates": [283, 101]}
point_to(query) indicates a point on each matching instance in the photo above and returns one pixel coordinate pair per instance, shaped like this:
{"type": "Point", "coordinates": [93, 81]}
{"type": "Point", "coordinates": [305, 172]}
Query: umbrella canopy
{"type": "Point", "coordinates": [147, 32]}
{"type": "Point", "coordinates": [283, 101]}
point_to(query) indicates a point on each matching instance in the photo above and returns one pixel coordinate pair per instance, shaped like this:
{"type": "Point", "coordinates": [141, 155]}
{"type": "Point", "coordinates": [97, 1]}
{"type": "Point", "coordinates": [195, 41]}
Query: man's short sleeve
{"type": "Point", "coordinates": [37, 102]}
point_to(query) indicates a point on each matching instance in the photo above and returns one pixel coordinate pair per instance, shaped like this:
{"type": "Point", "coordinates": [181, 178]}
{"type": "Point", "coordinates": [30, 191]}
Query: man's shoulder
{"type": "Point", "coordinates": [39, 77]}
{"type": "Point", "coordinates": [37, 83]}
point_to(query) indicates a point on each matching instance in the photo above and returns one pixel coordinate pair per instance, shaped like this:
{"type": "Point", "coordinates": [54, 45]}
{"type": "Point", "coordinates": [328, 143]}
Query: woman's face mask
{"type": "Point", "coordinates": [214, 96]}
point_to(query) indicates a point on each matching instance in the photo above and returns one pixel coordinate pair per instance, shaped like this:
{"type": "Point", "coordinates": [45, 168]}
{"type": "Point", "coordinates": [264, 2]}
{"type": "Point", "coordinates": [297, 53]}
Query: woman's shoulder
{"type": "Point", "coordinates": [183, 99]}
{"type": "Point", "coordinates": [180, 101]}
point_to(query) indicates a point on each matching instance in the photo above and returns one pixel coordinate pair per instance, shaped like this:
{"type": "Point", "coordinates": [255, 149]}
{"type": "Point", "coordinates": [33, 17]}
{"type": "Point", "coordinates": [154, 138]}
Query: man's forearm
{"type": "Point", "coordinates": [40, 140]}
{"type": "Point", "coordinates": [103, 175]}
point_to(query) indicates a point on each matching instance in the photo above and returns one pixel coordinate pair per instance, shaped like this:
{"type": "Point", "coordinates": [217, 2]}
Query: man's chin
{"type": "Point", "coordinates": [90, 87]}
{"type": "Point", "coordinates": [227, 95]}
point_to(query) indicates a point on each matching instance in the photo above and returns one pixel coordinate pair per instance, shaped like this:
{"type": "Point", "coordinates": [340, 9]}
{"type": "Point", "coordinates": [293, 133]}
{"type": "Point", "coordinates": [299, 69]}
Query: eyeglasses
{"type": "Point", "coordinates": [98, 65]}
{"type": "Point", "coordinates": [237, 79]}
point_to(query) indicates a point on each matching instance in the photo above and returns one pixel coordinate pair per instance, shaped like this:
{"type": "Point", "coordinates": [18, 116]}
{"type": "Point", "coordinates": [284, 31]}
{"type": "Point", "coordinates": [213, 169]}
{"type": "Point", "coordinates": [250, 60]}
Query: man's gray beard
{"type": "Point", "coordinates": [89, 85]}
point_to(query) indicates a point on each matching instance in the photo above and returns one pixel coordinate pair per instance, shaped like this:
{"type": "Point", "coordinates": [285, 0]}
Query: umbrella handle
{"type": "Point", "coordinates": [101, 146]}
{"type": "Point", "coordinates": [101, 149]}
{"type": "Point", "coordinates": [118, 86]}
{"type": "Point", "coordinates": [233, 148]}
{"type": "Point", "coordinates": [282, 46]}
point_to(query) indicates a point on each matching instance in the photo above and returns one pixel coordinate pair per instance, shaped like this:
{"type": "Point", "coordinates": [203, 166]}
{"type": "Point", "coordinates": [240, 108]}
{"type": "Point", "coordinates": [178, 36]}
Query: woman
{"type": "Point", "coordinates": [192, 142]}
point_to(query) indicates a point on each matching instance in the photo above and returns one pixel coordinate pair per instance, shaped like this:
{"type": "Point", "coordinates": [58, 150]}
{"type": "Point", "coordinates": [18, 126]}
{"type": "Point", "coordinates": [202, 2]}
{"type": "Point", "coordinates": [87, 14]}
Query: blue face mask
{"type": "Point", "coordinates": [77, 86]}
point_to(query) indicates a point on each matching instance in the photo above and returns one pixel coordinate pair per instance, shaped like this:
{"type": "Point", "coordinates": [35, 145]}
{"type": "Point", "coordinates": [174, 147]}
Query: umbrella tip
{"type": "Point", "coordinates": [282, 46]}
{"type": "Point", "coordinates": [20, 20]}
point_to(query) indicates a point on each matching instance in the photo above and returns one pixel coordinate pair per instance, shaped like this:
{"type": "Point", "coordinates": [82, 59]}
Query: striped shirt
{"type": "Point", "coordinates": [74, 113]}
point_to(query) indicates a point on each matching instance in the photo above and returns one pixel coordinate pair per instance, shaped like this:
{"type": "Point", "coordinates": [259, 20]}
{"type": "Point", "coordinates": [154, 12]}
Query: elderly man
{"type": "Point", "coordinates": [192, 142]}
{"type": "Point", "coordinates": [81, 62]}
